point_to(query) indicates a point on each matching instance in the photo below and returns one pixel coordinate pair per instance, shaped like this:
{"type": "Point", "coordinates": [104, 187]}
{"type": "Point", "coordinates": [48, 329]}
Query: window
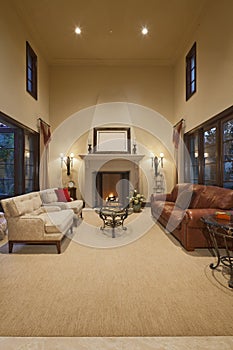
{"type": "Point", "coordinates": [227, 153]}
{"type": "Point", "coordinates": [209, 156]}
{"type": "Point", "coordinates": [31, 71]}
{"type": "Point", "coordinates": [19, 158]}
{"type": "Point", "coordinates": [191, 66]}
{"type": "Point", "coordinates": [192, 163]}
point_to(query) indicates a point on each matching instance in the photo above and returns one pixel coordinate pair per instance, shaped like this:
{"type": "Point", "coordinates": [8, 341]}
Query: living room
{"type": "Point", "coordinates": [114, 82]}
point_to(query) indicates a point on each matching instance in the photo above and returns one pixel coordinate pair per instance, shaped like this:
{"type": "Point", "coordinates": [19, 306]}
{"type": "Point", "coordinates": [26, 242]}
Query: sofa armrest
{"type": "Point", "coordinates": [196, 214]}
{"type": "Point", "coordinates": [26, 228]}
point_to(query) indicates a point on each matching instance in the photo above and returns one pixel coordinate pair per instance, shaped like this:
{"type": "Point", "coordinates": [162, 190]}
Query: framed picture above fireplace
{"type": "Point", "coordinates": [111, 140]}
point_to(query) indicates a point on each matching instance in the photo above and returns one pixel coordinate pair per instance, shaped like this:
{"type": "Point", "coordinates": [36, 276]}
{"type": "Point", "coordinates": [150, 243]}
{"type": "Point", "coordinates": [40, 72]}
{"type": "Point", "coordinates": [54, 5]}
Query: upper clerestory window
{"type": "Point", "coordinates": [31, 71]}
{"type": "Point", "coordinates": [191, 72]}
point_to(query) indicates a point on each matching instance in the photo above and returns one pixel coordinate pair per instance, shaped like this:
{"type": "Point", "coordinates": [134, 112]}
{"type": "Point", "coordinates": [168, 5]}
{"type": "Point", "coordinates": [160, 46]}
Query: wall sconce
{"type": "Point", "coordinates": [68, 161]}
{"type": "Point", "coordinates": [156, 161]}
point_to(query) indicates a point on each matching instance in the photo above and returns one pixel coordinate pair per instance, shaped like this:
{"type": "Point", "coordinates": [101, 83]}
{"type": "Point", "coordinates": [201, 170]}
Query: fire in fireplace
{"type": "Point", "coordinates": [112, 186]}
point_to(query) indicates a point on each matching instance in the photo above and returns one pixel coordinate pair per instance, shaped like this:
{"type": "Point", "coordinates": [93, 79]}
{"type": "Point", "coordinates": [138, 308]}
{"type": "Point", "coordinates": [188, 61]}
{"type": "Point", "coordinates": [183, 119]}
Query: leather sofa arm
{"type": "Point", "coordinates": [196, 214]}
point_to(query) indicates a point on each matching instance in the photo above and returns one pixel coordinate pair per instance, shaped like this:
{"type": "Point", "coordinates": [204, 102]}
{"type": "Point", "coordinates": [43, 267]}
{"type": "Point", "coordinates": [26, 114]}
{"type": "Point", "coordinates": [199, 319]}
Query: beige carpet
{"type": "Point", "coordinates": [151, 287]}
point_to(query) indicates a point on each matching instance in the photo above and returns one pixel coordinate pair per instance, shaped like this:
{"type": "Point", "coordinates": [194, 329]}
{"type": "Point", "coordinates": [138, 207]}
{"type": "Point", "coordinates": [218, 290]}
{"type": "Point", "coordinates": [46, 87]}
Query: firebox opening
{"type": "Point", "coordinates": [112, 186]}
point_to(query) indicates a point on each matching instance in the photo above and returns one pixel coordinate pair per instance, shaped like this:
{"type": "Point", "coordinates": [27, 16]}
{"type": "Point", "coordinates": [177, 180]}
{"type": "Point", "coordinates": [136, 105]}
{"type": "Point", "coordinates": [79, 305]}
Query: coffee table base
{"type": "Point", "coordinates": [113, 217]}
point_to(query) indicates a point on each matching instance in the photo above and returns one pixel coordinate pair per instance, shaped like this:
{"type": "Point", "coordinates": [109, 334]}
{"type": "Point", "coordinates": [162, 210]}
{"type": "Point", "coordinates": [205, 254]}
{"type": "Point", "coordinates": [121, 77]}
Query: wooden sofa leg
{"type": "Point", "coordinates": [10, 245]}
{"type": "Point", "coordinates": [58, 244]}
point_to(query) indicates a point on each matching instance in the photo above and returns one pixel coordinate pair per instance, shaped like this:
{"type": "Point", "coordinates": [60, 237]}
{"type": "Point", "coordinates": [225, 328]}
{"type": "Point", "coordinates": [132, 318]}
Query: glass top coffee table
{"type": "Point", "coordinates": [113, 217]}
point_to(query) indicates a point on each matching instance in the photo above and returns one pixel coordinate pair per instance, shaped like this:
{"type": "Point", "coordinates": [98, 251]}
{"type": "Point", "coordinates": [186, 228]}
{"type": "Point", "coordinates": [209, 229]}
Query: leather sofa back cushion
{"type": "Point", "coordinates": [214, 197]}
{"type": "Point", "coordinates": [184, 199]}
{"type": "Point", "coordinates": [178, 189]}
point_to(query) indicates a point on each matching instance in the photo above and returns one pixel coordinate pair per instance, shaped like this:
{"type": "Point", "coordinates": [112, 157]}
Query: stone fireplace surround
{"type": "Point", "coordinates": [94, 163]}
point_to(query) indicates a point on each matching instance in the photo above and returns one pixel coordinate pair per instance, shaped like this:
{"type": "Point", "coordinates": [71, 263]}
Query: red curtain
{"type": "Point", "coordinates": [45, 128]}
{"type": "Point", "coordinates": [176, 133]}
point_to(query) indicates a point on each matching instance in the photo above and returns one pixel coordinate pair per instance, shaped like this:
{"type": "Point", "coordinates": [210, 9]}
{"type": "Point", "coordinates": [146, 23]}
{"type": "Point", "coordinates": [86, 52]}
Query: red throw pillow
{"type": "Point", "coordinates": [61, 195]}
{"type": "Point", "coordinates": [67, 195]}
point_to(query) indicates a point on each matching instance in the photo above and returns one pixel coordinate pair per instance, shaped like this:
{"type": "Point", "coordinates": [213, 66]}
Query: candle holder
{"type": "Point", "coordinates": [89, 148]}
{"type": "Point", "coordinates": [134, 148]}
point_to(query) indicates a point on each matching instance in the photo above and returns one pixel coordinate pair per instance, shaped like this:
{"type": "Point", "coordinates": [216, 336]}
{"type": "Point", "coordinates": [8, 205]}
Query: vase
{"type": "Point", "coordinates": [137, 208]}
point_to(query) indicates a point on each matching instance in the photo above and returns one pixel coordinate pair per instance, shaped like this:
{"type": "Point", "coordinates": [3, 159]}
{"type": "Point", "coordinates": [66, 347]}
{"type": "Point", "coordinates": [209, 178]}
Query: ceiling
{"type": "Point", "coordinates": [110, 29]}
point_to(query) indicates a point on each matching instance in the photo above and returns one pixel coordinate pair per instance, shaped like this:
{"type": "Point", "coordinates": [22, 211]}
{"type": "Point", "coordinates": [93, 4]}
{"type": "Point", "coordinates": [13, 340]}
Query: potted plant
{"type": "Point", "coordinates": [136, 201]}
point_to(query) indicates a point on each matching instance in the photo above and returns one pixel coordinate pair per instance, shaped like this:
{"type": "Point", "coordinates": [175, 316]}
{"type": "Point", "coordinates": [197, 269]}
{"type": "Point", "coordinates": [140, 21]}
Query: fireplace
{"type": "Point", "coordinates": [112, 186]}
{"type": "Point", "coordinates": [123, 168]}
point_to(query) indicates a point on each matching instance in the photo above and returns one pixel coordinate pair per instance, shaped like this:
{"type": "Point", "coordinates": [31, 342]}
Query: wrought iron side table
{"type": "Point", "coordinates": [223, 229]}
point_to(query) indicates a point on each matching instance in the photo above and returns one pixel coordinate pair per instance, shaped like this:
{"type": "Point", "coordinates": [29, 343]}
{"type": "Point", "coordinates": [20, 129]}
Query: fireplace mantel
{"type": "Point", "coordinates": [111, 156]}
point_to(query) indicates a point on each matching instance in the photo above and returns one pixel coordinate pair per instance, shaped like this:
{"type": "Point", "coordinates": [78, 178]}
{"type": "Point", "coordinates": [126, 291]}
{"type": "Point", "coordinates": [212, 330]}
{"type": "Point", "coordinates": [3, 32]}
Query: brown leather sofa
{"type": "Point", "coordinates": [181, 210]}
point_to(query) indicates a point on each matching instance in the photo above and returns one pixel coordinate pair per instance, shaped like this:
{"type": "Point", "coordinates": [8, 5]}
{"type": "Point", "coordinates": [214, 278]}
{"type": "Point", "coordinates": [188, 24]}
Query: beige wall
{"type": "Point", "coordinates": [64, 91]}
{"type": "Point", "coordinates": [214, 38]}
{"type": "Point", "coordinates": [147, 145]}
{"type": "Point", "coordinates": [76, 87]}
{"type": "Point", "coordinates": [14, 99]}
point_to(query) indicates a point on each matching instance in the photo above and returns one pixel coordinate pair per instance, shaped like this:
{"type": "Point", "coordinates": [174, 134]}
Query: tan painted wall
{"type": "Point", "coordinates": [76, 87]}
{"type": "Point", "coordinates": [214, 38]}
{"type": "Point", "coordinates": [14, 99]}
{"type": "Point", "coordinates": [147, 145]}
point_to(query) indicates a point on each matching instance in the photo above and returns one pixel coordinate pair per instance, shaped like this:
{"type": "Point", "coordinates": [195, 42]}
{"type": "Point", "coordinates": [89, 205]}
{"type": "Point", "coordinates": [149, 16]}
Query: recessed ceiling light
{"type": "Point", "coordinates": [78, 30]}
{"type": "Point", "coordinates": [144, 31]}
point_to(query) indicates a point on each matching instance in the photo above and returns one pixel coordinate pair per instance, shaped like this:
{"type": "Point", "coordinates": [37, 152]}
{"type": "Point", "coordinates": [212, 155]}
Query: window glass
{"type": "Point", "coordinates": [227, 157]}
{"type": "Point", "coordinates": [210, 152]}
{"type": "Point", "coordinates": [6, 161]}
{"type": "Point", "coordinates": [31, 70]}
{"type": "Point", "coordinates": [191, 67]}
{"type": "Point", "coordinates": [19, 156]}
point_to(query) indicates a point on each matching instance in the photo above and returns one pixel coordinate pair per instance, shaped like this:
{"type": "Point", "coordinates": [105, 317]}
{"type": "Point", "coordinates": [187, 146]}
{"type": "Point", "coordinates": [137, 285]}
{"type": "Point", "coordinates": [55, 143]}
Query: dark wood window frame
{"type": "Point", "coordinates": [31, 71]}
{"type": "Point", "coordinates": [19, 157]}
{"type": "Point", "coordinates": [217, 121]}
{"type": "Point", "coordinates": [191, 72]}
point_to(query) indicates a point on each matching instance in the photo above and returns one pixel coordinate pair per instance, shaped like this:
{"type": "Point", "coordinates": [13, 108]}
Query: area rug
{"type": "Point", "coordinates": [149, 287]}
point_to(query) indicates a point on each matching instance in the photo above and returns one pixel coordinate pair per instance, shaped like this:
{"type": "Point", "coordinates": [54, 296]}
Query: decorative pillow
{"type": "Point", "coordinates": [60, 195]}
{"type": "Point", "coordinates": [67, 195]}
{"type": "Point", "coordinates": [184, 199]}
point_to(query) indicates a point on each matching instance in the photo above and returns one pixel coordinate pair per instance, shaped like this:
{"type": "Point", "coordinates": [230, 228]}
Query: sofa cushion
{"type": "Point", "coordinates": [57, 221]}
{"type": "Point", "coordinates": [184, 199]}
{"type": "Point", "coordinates": [48, 196]}
{"type": "Point", "coordinates": [172, 215]}
{"type": "Point", "coordinates": [179, 188]}
{"type": "Point", "coordinates": [25, 203]}
{"type": "Point", "coordinates": [175, 219]}
{"type": "Point", "coordinates": [76, 205]}
{"type": "Point", "coordinates": [215, 197]}
{"type": "Point", "coordinates": [37, 202]}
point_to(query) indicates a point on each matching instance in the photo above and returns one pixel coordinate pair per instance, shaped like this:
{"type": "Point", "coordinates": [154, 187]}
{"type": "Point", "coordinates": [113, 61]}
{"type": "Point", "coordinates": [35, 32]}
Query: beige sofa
{"type": "Point", "coordinates": [50, 198]}
{"type": "Point", "coordinates": [29, 221]}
